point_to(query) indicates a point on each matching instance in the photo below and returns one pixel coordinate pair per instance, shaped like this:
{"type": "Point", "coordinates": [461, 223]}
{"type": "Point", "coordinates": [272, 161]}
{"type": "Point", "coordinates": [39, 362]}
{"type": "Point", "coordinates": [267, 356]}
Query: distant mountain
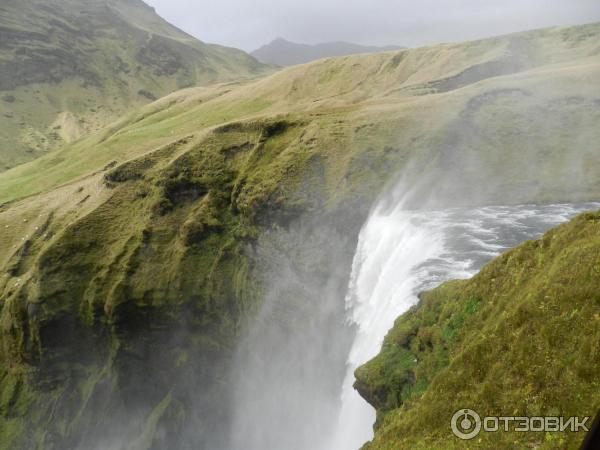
{"type": "Point", "coordinates": [68, 67]}
{"type": "Point", "coordinates": [285, 53]}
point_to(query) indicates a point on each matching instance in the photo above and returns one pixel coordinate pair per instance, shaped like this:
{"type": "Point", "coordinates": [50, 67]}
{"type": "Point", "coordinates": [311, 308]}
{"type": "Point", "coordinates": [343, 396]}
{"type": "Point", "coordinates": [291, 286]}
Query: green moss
{"type": "Point", "coordinates": [114, 271]}
{"type": "Point", "coordinates": [147, 438]}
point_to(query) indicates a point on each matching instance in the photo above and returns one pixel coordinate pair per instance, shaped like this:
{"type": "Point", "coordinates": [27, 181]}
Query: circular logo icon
{"type": "Point", "coordinates": [466, 424]}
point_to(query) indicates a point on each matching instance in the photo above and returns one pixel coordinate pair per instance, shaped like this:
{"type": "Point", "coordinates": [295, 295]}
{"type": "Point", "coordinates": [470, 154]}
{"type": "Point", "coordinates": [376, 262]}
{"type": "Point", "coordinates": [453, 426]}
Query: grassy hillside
{"type": "Point", "coordinates": [477, 103]}
{"type": "Point", "coordinates": [69, 67]}
{"type": "Point", "coordinates": [130, 260]}
{"type": "Point", "coordinates": [521, 338]}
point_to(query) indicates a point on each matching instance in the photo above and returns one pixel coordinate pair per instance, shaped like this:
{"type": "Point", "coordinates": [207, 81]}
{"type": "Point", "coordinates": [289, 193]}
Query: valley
{"type": "Point", "coordinates": [163, 274]}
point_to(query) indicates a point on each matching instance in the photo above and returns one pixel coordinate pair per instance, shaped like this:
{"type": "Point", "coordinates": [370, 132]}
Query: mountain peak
{"type": "Point", "coordinates": [282, 52]}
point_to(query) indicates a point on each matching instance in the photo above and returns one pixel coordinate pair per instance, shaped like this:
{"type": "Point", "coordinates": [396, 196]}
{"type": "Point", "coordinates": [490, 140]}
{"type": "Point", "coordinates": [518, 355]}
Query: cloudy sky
{"type": "Point", "coordinates": [248, 24]}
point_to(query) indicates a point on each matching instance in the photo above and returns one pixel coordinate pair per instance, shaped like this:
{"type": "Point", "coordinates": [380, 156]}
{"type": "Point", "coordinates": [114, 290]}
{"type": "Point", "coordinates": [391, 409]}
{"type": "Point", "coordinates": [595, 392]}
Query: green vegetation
{"type": "Point", "coordinates": [361, 105]}
{"type": "Point", "coordinates": [129, 259]}
{"type": "Point", "coordinates": [69, 67]}
{"type": "Point", "coordinates": [188, 202]}
{"type": "Point", "coordinates": [521, 338]}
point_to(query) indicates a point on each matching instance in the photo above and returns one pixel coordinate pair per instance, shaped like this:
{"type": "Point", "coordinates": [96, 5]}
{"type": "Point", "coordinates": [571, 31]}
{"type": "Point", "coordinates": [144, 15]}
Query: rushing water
{"type": "Point", "coordinates": [401, 253]}
{"type": "Point", "coordinates": [293, 372]}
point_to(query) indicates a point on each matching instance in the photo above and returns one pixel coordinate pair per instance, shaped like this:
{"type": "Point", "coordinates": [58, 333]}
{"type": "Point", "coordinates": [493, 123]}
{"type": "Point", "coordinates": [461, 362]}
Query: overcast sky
{"type": "Point", "coordinates": [248, 24]}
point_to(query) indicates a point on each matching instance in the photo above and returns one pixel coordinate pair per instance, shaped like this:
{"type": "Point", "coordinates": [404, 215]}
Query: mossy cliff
{"type": "Point", "coordinates": [132, 260]}
{"type": "Point", "coordinates": [121, 310]}
{"type": "Point", "coordinates": [521, 338]}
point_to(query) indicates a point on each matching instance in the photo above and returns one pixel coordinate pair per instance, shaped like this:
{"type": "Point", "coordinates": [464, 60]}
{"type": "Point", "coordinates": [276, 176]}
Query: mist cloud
{"type": "Point", "coordinates": [250, 24]}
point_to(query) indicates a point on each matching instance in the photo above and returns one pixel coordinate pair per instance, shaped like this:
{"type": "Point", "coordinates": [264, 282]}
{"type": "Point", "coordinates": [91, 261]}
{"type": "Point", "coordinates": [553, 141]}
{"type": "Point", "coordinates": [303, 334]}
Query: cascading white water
{"type": "Point", "coordinates": [381, 289]}
{"type": "Point", "coordinates": [293, 373]}
{"type": "Point", "coordinates": [401, 253]}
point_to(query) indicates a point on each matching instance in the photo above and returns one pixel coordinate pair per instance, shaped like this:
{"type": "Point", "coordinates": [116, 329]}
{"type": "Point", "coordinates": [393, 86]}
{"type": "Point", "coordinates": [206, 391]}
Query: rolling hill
{"type": "Point", "coordinates": [70, 67]}
{"type": "Point", "coordinates": [281, 52]}
{"type": "Point", "coordinates": [131, 260]}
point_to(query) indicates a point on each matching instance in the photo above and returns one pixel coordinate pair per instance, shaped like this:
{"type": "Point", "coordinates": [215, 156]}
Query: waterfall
{"type": "Point", "coordinates": [401, 253]}
{"type": "Point", "coordinates": [382, 287]}
{"type": "Point", "coordinates": [291, 386]}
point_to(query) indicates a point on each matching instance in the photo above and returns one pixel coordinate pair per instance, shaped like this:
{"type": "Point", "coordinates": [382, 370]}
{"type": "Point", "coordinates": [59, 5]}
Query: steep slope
{"type": "Point", "coordinates": [519, 339]}
{"type": "Point", "coordinates": [285, 53]}
{"type": "Point", "coordinates": [449, 104]}
{"type": "Point", "coordinates": [69, 67]}
{"type": "Point", "coordinates": [132, 259]}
